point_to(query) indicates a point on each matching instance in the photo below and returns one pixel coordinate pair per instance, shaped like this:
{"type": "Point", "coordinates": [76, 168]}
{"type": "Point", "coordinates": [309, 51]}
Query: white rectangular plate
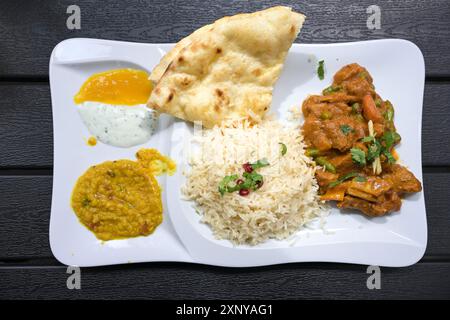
{"type": "Point", "coordinates": [399, 239]}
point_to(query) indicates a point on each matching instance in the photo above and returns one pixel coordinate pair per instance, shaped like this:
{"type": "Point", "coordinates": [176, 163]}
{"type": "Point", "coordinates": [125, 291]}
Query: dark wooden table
{"type": "Point", "coordinates": [28, 32]}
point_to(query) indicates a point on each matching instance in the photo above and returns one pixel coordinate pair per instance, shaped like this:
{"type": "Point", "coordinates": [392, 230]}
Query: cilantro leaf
{"type": "Point", "coordinates": [252, 181]}
{"type": "Point", "coordinates": [358, 156]}
{"type": "Point", "coordinates": [368, 139]}
{"type": "Point", "coordinates": [321, 70]}
{"type": "Point", "coordinates": [390, 138]}
{"type": "Point", "coordinates": [249, 180]}
{"type": "Point", "coordinates": [260, 164]}
{"type": "Point", "coordinates": [346, 129]}
{"type": "Point", "coordinates": [374, 150]}
{"type": "Point", "coordinates": [224, 185]}
{"type": "Point", "coordinates": [389, 156]}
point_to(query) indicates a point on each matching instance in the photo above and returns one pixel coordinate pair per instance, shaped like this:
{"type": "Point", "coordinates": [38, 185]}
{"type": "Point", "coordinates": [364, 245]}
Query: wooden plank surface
{"type": "Point", "coordinates": [30, 29]}
{"type": "Point", "coordinates": [189, 281]}
{"type": "Point", "coordinates": [436, 124]}
{"type": "Point", "coordinates": [26, 125]}
{"type": "Point", "coordinates": [26, 128]}
{"type": "Point", "coordinates": [25, 212]}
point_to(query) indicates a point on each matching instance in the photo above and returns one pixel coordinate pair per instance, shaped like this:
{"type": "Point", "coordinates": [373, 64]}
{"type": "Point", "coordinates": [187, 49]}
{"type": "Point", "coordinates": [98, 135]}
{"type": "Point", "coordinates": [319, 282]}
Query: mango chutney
{"type": "Point", "coordinates": [116, 87]}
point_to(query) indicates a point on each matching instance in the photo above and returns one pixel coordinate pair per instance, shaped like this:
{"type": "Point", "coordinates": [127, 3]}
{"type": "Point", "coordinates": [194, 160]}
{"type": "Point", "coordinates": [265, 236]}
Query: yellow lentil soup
{"type": "Point", "coordinates": [118, 199]}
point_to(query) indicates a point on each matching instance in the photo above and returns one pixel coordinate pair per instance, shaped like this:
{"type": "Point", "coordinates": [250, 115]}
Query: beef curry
{"type": "Point", "coordinates": [350, 132]}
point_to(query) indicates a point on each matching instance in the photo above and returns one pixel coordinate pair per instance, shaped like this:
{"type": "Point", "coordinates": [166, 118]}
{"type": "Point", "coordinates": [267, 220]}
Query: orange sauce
{"type": "Point", "coordinates": [120, 87]}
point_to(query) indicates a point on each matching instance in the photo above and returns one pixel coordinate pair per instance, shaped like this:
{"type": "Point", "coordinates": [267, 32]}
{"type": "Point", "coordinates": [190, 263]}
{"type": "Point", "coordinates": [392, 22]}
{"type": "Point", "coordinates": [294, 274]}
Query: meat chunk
{"type": "Point", "coordinates": [328, 126]}
{"type": "Point", "coordinates": [343, 163]}
{"type": "Point", "coordinates": [320, 140]}
{"type": "Point", "coordinates": [374, 186]}
{"type": "Point", "coordinates": [402, 179]}
{"type": "Point", "coordinates": [324, 178]}
{"type": "Point", "coordinates": [355, 80]}
{"type": "Point", "coordinates": [343, 132]}
{"type": "Point", "coordinates": [388, 202]}
{"type": "Point", "coordinates": [350, 71]}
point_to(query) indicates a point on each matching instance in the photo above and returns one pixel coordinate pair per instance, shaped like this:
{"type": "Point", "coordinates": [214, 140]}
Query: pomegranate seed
{"type": "Point", "coordinates": [244, 192]}
{"type": "Point", "coordinates": [239, 181]}
{"type": "Point", "coordinates": [247, 167]}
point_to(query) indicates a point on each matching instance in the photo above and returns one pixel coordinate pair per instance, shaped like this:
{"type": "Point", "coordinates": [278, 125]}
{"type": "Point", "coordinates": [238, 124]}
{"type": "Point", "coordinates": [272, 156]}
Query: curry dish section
{"type": "Point", "coordinates": [350, 132]}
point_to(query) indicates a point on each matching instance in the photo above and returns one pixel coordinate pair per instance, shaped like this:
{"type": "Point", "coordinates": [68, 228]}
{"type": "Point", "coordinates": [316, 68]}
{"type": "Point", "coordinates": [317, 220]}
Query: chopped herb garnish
{"type": "Point", "coordinates": [260, 163]}
{"type": "Point", "coordinates": [373, 150]}
{"type": "Point", "coordinates": [376, 148]}
{"type": "Point", "coordinates": [390, 138]}
{"type": "Point", "coordinates": [321, 70]}
{"type": "Point", "coordinates": [368, 139]}
{"type": "Point", "coordinates": [224, 185]}
{"type": "Point", "coordinates": [378, 103]}
{"type": "Point", "coordinates": [346, 129]}
{"type": "Point", "coordinates": [252, 181]}
{"type": "Point", "coordinates": [342, 179]}
{"type": "Point", "coordinates": [389, 114]}
{"type": "Point", "coordinates": [331, 89]}
{"type": "Point", "coordinates": [283, 148]}
{"type": "Point", "coordinates": [389, 156]}
{"type": "Point", "coordinates": [358, 156]}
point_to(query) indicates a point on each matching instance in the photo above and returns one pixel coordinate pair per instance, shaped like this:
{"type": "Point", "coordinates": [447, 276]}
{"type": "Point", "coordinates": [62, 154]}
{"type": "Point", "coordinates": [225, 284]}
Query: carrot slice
{"type": "Point", "coordinates": [370, 110]}
{"type": "Point", "coordinates": [395, 154]}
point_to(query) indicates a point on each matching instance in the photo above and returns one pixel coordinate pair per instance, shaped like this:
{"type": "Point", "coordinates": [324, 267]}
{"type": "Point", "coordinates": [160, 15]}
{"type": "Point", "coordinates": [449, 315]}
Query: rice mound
{"type": "Point", "coordinates": [288, 198]}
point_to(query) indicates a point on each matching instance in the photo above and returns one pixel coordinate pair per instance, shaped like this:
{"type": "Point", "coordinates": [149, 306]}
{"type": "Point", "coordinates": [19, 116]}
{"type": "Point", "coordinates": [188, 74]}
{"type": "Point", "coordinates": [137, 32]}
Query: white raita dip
{"type": "Point", "coordinates": [118, 125]}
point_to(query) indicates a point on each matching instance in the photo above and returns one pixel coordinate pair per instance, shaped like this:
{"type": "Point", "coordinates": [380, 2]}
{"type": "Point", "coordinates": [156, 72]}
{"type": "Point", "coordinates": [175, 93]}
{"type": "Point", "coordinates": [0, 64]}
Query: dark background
{"type": "Point", "coordinates": [28, 32]}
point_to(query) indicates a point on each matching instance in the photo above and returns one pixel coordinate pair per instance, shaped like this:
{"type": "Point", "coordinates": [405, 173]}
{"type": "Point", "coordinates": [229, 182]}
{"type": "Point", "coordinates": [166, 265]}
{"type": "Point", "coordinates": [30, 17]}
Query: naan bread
{"type": "Point", "coordinates": [226, 70]}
